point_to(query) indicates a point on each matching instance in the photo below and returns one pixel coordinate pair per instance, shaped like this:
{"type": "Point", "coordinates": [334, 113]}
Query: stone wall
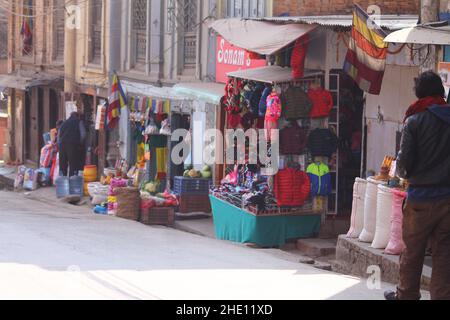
{"type": "Point", "coordinates": [354, 257]}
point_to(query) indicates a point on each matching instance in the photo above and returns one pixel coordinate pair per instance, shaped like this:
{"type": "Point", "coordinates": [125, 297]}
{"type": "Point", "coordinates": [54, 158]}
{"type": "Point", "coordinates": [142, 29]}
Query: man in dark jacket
{"type": "Point", "coordinates": [424, 160]}
{"type": "Point", "coordinates": [71, 137]}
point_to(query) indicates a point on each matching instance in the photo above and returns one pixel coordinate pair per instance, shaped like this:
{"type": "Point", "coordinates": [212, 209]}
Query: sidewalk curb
{"type": "Point", "coordinates": [179, 226]}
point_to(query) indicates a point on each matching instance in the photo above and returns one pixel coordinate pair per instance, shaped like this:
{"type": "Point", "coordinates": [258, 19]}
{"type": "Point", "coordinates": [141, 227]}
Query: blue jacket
{"type": "Point", "coordinates": [320, 177]}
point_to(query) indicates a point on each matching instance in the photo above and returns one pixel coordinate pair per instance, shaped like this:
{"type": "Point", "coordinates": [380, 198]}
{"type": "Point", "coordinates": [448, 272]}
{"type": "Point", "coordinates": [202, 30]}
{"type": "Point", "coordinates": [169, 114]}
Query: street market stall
{"type": "Point", "coordinates": [251, 205]}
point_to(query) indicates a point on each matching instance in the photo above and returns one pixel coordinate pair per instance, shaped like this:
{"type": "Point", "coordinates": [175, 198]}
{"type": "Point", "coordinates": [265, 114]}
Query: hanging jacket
{"type": "Point", "coordinates": [273, 111]}
{"type": "Point", "coordinates": [296, 104]}
{"type": "Point", "coordinates": [320, 177]}
{"type": "Point", "coordinates": [255, 98]}
{"type": "Point", "coordinates": [291, 187]}
{"type": "Point", "coordinates": [322, 143]}
{"type": "Point", "coordinates": [298, 57]}
{"type": "Point", "coordinates": [322, 101]}
{"type": "Point", "coordinates": [293, 139]}
{"type": "Point", "coordinates": [263, 102]}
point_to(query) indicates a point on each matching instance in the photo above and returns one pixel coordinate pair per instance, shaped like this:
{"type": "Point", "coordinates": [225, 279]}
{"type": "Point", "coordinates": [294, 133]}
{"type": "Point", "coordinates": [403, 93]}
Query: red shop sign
{"type": "Point", "coordinates": [230, 58]}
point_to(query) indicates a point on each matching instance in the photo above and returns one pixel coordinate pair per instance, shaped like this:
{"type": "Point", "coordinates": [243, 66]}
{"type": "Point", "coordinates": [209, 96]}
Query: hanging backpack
{"type": "Point", "coordinates": [319, 175]}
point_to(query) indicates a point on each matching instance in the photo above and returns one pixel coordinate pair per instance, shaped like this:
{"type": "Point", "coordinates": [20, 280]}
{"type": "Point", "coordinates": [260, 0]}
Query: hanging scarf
{"type": "Point", "coordinates": [423, 104]}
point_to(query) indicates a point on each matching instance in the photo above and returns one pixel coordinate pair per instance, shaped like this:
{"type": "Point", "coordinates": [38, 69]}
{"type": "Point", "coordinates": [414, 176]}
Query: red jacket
{"type": "Point", "coordinates": [291, 187]}
{"type": "Point", "coordinates": [322, 102]}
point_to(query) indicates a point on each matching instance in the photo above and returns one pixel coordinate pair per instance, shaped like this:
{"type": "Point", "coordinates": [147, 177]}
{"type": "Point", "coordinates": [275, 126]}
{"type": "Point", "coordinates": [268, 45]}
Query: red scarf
{"type": "Point", "coordinates": [423, 104]}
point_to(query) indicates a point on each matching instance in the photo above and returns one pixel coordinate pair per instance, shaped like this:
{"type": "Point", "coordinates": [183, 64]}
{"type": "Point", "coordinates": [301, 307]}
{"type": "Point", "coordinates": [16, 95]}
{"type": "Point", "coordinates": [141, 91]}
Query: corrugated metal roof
{"type": "Point", "coordinates": [270, 74]}
{"type": "Point", "coordinates": [421, 35]}
{"type": "Point", "coordinates": [389, 22]}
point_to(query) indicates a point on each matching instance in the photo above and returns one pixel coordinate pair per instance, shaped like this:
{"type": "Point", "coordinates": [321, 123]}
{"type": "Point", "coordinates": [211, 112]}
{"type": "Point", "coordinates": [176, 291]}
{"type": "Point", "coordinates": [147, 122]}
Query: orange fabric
{"type": "Point", "coordinates": [368, 47]}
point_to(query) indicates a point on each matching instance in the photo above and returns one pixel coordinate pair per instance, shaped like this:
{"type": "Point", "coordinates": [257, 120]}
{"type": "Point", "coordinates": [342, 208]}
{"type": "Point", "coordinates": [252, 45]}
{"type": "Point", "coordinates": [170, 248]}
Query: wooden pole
{"type": "Point", "coordinates": [429, 12]}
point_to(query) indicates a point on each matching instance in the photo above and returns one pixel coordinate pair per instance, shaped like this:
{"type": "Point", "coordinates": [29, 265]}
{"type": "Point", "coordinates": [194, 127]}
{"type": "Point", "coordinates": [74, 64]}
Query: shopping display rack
{"type": "Point", "coordinates": [270, 209]}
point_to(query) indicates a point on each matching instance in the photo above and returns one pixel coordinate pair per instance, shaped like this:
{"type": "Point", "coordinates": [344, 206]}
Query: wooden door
{"type": "Point", "coordinates": [33, 125]}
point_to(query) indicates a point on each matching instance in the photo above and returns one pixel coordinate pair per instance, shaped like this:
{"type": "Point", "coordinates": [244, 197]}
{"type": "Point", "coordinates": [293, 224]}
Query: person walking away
{"type": "Point", "coordinates": [424, 160]}
{"type": "Point", "coordinates": [71, 137]}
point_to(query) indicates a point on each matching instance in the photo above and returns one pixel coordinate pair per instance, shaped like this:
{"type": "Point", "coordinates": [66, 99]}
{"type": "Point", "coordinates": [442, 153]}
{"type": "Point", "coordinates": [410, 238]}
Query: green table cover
{"type": "Point", "coordinates": [234, 224]}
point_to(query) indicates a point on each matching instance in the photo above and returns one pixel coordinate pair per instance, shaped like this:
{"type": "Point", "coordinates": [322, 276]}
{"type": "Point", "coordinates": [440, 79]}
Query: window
{"type": "Point", "coordinates": [26, 30]}
{"type": "Point", "coordinates": [95, 31]}
{"type": "Point", "coordinates": [3, 36]}
{"type": "Point", "coordinates": [139, 23]}
{"type": "Point", "coordinates": [246, 8]}
{"type": "Point", "coordinates": [59, 18]}
{"type": "Point", "coordinates": [188, 10]}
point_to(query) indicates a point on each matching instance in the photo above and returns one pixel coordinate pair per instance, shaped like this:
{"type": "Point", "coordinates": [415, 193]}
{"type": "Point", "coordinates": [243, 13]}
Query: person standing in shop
{"type": "Point", "coordinates": [71, 138]}
{"type": "Point", "coordinates": [424, 161]}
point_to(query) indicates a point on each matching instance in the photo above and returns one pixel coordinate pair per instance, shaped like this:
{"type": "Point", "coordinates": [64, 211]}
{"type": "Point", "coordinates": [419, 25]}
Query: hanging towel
{"type": "Point", "coordinates": [161, 163]}
{"type": "Point", "coordinates": [166, 107]}
{"type": "Point", "coordinates": [140, 152]}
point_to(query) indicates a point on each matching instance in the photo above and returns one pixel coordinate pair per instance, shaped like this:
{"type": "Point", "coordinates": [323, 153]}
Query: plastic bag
{"type": "Point", "coordinates": [55, 169]}
{"type": "Point", "coordinates": [152, 128]}
{"type": "Point", "coordinates": [30, 179]}
{"type": "Point", "coordinates": [46, 156]}
{"type": "Point", "coordinates": [165, 128]}
{"type": "Point", "coordinates": [18, 182]}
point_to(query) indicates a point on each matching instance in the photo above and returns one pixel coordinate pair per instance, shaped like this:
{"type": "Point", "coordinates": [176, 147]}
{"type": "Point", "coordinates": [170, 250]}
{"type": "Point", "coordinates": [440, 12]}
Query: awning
{"type": "Point", "coordinates": [421, 35]}
{"type": "Point", "coordinates": [147, 90]}
{"type": "Point", "coordinates": [387, 21]}
{"type": "Point", "coordinates": [261, 37]}
{"type": "Point", "coordinates": [210, 92]}
{"type": "Point", "coordinates": [271, 74]}
{"type": "Point", "coordinates": [22, 82]}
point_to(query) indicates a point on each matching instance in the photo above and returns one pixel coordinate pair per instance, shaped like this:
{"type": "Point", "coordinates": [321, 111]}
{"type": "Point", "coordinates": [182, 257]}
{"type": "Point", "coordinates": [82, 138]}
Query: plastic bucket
{"type": "Point", "coordinates": [90, 173]}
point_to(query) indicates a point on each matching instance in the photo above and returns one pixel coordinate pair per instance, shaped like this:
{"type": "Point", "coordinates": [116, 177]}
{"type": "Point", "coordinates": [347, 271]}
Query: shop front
{"type": "Point", "coordinates": [307, 67]}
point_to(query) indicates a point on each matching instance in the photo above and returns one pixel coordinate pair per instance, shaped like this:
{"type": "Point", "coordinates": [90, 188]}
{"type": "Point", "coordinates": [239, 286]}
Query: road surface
{"type": "Point", "coordinates": [50, 251]}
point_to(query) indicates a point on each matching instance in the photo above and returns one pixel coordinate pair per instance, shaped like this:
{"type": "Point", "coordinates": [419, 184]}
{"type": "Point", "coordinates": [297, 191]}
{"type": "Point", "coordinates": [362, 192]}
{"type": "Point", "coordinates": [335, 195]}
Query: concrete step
{"type": "Point", "coordinates": [354, 257]}
{"type": "Point", "coordinates": [316, 247]}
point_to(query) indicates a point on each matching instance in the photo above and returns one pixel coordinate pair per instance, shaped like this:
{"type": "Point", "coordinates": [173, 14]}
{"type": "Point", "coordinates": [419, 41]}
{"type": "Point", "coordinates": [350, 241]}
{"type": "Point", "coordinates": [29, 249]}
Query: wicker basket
{"type": "Point", "coordinates": [194, 203]}
{"type": "Point", "coordinates": [128, 203]}
{"type": "Point", "coordinates": [158, 216]}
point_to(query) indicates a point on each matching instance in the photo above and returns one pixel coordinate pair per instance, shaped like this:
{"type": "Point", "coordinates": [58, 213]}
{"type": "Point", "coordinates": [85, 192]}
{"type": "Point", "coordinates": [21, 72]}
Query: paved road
{"type": "Point", "coordinates": [49, 252]}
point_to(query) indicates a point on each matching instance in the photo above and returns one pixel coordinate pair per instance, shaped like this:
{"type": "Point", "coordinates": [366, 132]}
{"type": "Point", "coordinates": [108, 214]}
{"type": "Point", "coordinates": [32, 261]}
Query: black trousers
{"type": "Point", "coordinates": [70, 159]}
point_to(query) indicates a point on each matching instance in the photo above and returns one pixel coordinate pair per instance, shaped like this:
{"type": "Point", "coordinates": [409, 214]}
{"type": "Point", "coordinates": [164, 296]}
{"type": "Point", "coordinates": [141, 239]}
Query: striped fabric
{"type": "Point", "coordinates": [117, 100]}
{"type": "Point", "coordinates": [366, 57]}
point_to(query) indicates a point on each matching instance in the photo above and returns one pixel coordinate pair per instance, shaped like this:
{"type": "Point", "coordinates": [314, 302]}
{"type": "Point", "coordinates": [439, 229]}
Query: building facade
{"type": "Point", "coordinates": [35, 70]}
